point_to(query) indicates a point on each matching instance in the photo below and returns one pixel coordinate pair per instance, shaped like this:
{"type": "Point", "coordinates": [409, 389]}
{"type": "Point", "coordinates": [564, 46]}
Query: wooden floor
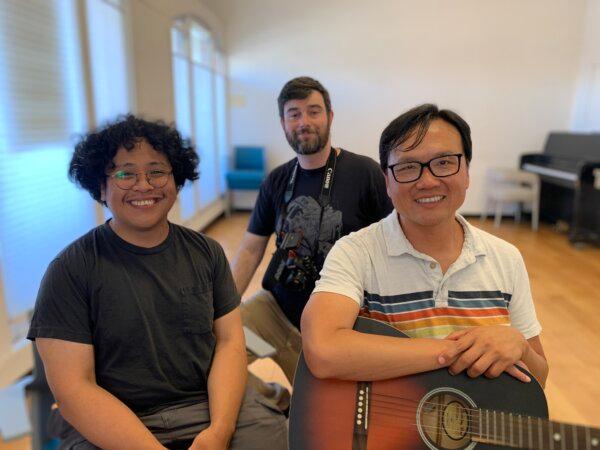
{"type": "Point", "coordinates": [566, 287]}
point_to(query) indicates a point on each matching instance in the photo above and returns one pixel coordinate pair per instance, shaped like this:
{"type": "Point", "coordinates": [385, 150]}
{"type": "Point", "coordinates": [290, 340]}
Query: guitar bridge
{"type": "Point", "coordinates": [361, 415]}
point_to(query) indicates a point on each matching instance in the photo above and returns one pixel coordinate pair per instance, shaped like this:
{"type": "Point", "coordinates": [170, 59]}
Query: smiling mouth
{"type": "Point", "coordinates": [434, 199]}
{"type": "Point", "coordinates": [147, 202]}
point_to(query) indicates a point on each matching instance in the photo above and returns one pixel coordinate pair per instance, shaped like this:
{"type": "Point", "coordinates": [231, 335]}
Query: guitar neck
{"type": "Point", "coordinates": [517, 431]}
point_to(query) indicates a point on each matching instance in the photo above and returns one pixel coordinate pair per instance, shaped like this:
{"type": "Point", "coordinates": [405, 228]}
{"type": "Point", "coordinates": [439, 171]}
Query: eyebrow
{"type": "Point", "coordinates": [131, 165]}
{"type": "Point", "coordinates": [296, 108]}
{"type": "Point", "coordinates": [444, 153]}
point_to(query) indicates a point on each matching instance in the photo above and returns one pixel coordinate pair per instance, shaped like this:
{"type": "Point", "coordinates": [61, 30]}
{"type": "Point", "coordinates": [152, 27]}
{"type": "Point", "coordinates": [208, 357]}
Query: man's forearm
{"type": "Point", "coordinates": [226, 385]}
{"type": "Point", "coordinates": [243, 266]}
{"type": "Point", "coordinates": [350, 355]}
{"type": "Point", "coordinates": [103, 419]}
{"type": "Point", "coordinates": [537, 365]}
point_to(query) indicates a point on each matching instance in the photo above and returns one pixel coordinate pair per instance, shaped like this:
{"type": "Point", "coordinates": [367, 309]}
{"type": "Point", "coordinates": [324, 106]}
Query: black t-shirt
{"type": "Point", "coordinates": [358, 198]}
{"type": "Point", "coordinates": [148, 312]}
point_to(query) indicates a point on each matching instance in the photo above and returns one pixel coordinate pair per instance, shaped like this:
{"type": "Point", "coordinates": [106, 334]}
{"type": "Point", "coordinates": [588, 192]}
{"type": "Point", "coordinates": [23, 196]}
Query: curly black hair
{"type": "Point", "coordinates": [93, 155]}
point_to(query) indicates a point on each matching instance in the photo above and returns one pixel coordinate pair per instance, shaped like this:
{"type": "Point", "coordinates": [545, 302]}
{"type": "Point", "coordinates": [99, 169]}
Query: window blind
{"type": "Point", "coordinates": [42, 107]}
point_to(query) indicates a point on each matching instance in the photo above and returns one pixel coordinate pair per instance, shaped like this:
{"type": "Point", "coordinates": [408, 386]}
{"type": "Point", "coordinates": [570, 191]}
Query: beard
{"type": "Point", "coordinates": [311, 144]}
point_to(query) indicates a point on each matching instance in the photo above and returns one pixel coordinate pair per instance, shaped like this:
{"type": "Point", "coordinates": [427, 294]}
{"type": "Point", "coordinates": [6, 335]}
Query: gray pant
{"type": "Point", "coordinates": [262, 314]}
{"type": "Point", "coordinates": [259, 426]}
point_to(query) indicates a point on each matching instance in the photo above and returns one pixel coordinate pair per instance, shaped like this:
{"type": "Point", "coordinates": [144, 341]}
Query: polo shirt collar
{"type": "Point", "coordinates": [397, 243]}
{"type": "Point", "coordinates": [473, 239]}
{"type": "Point", "coordinates": [395, 240]}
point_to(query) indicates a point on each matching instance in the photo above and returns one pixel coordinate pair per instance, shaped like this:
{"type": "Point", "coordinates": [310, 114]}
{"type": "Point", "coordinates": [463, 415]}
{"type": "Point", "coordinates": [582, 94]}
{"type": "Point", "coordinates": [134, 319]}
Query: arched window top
{"type": "Point", "coordinates": [195, 42]}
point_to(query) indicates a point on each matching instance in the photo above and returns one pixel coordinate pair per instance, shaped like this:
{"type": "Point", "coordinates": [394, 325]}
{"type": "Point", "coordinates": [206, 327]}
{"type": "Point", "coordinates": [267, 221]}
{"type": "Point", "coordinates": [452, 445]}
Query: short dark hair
{"type": "Point", "coordinates": [95, 151]}
{"type": "Point", "coordinates": [418, 119]}
{"type": "Point", "coordinates": [300, 88]}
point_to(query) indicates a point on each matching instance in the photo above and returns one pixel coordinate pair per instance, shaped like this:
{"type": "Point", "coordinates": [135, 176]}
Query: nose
{"type": "Point", "coordinates": [427, 180]}
{"type": "Point", "coordinates": [303, 120]}
{"type": "Point", "coordinates": [141, 183]}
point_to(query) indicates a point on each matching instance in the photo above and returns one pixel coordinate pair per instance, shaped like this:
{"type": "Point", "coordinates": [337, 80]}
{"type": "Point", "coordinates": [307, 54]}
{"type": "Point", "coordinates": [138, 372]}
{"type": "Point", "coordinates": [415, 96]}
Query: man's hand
{"type": "Point", "coordinates": [210, 439]}
{"type": "Point", "coordinates": [488, 350]}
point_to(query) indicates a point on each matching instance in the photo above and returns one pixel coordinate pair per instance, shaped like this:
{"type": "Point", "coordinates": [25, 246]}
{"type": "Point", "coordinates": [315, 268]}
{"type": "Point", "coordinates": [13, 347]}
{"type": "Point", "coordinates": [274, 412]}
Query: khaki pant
{"type": "Point", "coordinates": [262, 314]}
{"type": "Point", "coordinates": [258, 427]}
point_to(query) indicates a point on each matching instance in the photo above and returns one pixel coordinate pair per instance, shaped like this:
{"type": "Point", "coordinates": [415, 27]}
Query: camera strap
{"type": "Point", "coordinates": [324, 196]}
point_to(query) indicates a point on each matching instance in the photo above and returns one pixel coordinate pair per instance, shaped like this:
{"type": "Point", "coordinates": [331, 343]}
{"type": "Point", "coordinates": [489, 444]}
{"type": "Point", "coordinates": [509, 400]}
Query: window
{"type": "Point", "coordinates": [43, 107]}
{"type": "Point", "coordinates": [586, 106]}
{"type": "Point", "coordinates": [199, 86]}
{"type": "Point", "coordinates": [109, 65]}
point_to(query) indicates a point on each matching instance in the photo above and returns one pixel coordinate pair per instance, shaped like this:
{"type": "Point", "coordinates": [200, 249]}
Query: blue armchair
{"type": "Point", "coordinates": [248, 172]}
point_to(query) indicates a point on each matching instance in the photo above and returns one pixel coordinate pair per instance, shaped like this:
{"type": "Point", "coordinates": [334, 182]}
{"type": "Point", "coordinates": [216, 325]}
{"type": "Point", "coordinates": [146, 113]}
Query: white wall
{"type": "Point", "coordinates": [586, 108]}
{"type": "Point", "coordinates": [509, 67]}
{"type": "Point", "coordinates": [151, 22]}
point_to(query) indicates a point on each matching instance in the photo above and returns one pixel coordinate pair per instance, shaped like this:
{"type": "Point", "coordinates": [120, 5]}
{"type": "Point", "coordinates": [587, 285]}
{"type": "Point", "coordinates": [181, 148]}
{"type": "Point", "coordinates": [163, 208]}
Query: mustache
{"type": "Point", "coordinates": [309, 130]}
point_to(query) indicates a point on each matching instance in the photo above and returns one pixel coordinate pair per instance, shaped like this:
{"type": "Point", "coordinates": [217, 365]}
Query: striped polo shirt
{"type": "Point", "coordinates": [391, 281]}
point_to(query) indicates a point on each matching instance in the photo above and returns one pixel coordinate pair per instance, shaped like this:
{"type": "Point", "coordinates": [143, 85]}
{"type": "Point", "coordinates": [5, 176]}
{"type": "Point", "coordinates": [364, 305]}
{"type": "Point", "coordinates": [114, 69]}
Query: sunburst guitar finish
{"type": "Point", "coordinates": [432, 410]}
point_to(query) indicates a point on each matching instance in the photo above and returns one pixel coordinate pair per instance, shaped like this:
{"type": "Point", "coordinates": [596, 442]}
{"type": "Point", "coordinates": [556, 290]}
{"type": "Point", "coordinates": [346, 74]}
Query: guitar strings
{"type": "Point", "coordinates": [403, 410]}
{"type": "Point", "coordinates": [477, 417]}
{"type": "Point", "coordinates": [469, 409]}
{"type": "Point", "coordinates": [518, 428]}
{"type": "Point", "coordinates": [407, 402]}
{"type": "Point", "coordinates": [473, 414]}
{"type": "Point", "coordinates": [517, 439]}
{"type": "Point", "coordinates": [520, 422]}
{"type": "Point", "coordinates": [499, 436]}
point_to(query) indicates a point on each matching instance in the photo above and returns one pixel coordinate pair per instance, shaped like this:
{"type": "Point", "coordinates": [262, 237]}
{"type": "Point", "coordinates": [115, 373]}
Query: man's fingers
{"type": "Point", "coordinates": [496, 369]}
{"type": "Point", "coordinates": [456, 335]}
{"type": "Point", "coordinates": [481, 365]}
{"type": "Point", "coordinates": [523, 365]}
{"type": "Point", "coordinates": [464, 361]}
{"type": "Point", "coordinates": [453, 351]}
{"type": "Point", "coordinates": [515, 372]}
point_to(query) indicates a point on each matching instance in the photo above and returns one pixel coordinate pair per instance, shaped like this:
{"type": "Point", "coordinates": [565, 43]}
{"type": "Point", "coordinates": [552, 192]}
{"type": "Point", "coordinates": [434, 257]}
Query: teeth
{"type": "Point", "coordinates": [437, 198]}
{"type": "Point", "coordinates": [143, 202]}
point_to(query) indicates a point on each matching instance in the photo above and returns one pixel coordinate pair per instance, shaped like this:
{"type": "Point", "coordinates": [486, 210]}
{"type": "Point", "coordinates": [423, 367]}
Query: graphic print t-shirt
{"type": "Point", "coordinates": [358, 198]}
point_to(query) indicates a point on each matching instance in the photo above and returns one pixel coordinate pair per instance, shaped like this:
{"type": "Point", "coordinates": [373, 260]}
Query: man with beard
{"type": "Point", "coordinates": [311, 201]}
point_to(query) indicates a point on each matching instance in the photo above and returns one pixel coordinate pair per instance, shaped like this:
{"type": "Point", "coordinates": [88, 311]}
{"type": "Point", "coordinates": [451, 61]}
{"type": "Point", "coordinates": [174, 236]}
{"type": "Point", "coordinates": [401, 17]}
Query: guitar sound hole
{"type": "Point", "coordinates": [443, 419]}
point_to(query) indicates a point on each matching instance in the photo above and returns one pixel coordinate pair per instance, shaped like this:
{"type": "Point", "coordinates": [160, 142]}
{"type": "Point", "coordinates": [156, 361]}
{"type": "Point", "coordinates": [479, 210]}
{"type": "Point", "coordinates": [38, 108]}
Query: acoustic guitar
{"type": "Point", "coordinates": [432, 410]}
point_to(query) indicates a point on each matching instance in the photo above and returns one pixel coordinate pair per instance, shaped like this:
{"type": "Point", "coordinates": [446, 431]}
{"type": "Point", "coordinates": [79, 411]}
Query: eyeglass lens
{"type": "Point", "coordinates": [442, 166]}
{"type": "Point", "coordinates": [155, 178]}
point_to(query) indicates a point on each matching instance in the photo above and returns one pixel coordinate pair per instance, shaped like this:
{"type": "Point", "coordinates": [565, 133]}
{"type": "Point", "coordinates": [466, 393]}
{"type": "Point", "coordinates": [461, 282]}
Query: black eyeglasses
{"type": "Point", "coordinates": [442, 166]}
{"type": "Point", "coordinates": [157, 178]}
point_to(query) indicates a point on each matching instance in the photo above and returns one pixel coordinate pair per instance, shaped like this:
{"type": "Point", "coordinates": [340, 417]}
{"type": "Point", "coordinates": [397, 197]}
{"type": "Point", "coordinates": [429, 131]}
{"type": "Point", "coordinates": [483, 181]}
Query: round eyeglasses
{"type": "Point", "coordinates": [157, 178]}
{"type": "Point", "coordinates": [442, 166]}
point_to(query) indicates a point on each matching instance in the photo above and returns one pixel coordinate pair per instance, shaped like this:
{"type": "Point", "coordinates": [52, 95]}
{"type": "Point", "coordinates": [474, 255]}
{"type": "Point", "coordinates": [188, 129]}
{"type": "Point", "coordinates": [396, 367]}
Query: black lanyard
{"type": "Point", "coordinates": [324, 196]}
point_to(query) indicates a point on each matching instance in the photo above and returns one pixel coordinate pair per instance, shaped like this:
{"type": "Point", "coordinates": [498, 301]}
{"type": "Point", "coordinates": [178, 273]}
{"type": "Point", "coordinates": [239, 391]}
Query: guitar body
{"type": "Point", "coordinates": [432, 410]}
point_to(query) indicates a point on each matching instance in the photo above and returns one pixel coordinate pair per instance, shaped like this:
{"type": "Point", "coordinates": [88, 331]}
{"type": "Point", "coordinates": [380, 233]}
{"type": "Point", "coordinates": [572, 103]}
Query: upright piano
{"type": "Point", "coordinates": [569, 170]}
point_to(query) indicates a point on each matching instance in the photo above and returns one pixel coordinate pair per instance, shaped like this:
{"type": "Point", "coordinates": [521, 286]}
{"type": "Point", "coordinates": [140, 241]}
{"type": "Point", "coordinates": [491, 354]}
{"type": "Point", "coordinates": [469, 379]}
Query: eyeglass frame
{"type": "Point", "coordinates": [137, 179]}
{"type": "Point", "coordinates": [426, 164]}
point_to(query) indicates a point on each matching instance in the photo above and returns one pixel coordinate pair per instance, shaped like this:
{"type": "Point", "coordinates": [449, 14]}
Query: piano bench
{"type": "Point", "coordinates": [504, 186]}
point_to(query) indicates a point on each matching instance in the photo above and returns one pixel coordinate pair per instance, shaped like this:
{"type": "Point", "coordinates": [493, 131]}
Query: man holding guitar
{"type": "Point", "coordinates": [463, 295]}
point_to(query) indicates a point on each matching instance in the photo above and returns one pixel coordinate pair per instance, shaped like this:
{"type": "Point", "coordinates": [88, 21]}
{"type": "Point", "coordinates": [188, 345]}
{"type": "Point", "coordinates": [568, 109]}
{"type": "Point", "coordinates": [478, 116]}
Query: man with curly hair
{"type": "Point", "coordinates": [138, 321]}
